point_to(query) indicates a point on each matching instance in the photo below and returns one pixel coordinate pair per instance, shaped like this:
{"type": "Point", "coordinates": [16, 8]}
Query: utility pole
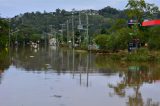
{"type": "Point", "coordinates": [57, 42]}
{"type": "Point", "coordinates": [73, 62]}
{"type": "Point", "coordinates": [62, 25]}
{"type": "Point", "coordinates": [51, 26]}
{"type": "Point", "coordinates": [87, 29]}
{"type": "Point", "coordinates": [73, 36]}
{"type": "Point", "coordinates": [45, 38]}
{"type": "Point", "coordinates": [9, 35]}
{"type": "Point", "coordinates": [80, 23]}
{"type": "Point", "coordinates": [80, 27]}
{"type": "Point", "coordinates": [55, 35]}
{"type": "Point", "coordinates": [67, 31]}
{"type": "Point", "coordinates": [87, 70]}
{"type": "Point", "coordinates": [21, 20]}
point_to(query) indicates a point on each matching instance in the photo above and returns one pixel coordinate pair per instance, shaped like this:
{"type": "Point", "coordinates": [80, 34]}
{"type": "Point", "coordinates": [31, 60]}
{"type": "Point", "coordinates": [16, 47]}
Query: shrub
{"type": "Point", "coordinates": [101, 41]}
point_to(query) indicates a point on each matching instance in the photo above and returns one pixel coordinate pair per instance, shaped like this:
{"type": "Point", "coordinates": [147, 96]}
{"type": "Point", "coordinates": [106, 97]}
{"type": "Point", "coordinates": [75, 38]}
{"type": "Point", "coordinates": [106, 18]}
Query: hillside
{"type": "Point", "coordinates": [37, 23]}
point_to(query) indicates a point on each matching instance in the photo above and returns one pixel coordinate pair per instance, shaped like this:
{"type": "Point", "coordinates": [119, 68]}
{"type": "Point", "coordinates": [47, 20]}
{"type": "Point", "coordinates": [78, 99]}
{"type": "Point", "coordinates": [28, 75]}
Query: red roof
{"type": "Point", "coordinates": [151, 23]}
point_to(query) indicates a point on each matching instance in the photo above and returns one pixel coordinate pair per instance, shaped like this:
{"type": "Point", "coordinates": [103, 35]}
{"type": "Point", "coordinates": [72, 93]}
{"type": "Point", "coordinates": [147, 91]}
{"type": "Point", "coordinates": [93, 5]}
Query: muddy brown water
{"type": "Point", "coordinates": [66, 77]}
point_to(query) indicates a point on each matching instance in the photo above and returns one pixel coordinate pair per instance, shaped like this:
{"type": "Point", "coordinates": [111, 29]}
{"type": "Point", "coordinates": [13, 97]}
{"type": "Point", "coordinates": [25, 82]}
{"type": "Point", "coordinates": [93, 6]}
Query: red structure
{"type": "Point", "coordinates": [151, 23]}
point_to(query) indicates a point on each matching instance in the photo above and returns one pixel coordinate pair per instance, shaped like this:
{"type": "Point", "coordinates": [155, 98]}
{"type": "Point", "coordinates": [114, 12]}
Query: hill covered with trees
{"type": "Point", "coordinates": [35, 25]}
{"type": "Point", "coordinates": [107, 27]}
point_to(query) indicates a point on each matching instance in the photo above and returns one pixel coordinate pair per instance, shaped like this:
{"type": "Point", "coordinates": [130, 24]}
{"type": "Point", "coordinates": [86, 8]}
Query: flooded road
{"type": "Point", "coordinates": [62, 77]}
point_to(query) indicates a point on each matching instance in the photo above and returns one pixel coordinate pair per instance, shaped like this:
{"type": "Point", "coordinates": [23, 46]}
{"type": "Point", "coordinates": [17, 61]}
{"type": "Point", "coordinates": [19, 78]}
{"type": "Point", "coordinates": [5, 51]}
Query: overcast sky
{"type": "Point", "coordinates": [10, 8]}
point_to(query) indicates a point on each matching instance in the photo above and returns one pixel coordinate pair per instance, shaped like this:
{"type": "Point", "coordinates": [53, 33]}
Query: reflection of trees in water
{"type": "Point", "coordinates": [58, 60]}
{"type": "Point", "coordinates": [63, 61]}
{"type": "Point", "coordinates": [138, 101]}
{"type": "Point", "coordinates": [4, 62]}
{"type": "Point", "coordinates": [28, 59]}
{"type": "Point", "coordinates": [107, 66]}
{"type": "Point", "coordinates": [134, 78]}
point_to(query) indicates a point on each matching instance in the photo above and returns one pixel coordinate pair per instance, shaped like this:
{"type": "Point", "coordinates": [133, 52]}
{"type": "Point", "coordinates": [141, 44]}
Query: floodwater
{"type": "Point", "coordinates": [63, 77]}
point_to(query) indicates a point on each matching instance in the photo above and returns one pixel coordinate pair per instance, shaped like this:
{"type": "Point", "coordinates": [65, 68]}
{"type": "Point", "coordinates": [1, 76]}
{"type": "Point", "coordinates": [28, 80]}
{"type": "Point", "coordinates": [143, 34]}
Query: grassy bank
{"type": "Point", "coordinates": [140, 55]}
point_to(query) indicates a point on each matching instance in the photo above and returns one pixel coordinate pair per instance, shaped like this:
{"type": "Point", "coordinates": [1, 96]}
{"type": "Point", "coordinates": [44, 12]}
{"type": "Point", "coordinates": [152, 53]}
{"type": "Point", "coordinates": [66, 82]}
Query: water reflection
{"type": "Point", "coordinates": [4, 62]}
{"type": "Point", "coordinates": [53, 60]}
{"type": "Point", "coordinates": [129, 82]}
{"type": "Point", "coordinates": [134, 78]}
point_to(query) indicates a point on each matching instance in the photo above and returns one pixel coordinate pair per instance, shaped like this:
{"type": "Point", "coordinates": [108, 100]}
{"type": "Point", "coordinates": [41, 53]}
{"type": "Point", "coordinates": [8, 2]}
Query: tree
{"type": "Point", "coordinates": [63, 12]}
{"type": "Point", "coordinates": [118, 24]}
{"type": "Point", "coordinates": [3, 33]}
{"type": "Point", "coordinates": [58, 11]}
{"type": "Point", "coordinates": [137, 9]}
{"type": "Point", "coordinates": [108, 11]}
{"type": "Point", "coordinates": [103, 31]}
{"type": "Point", "coordinates": [154, 38]}
{"type": "Point", "coordinates": [101, 41]}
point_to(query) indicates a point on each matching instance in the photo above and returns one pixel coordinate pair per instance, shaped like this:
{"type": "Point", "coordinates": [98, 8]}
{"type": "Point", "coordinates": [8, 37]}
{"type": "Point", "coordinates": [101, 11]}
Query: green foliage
{"type": "Point", "coordinates": [136, 8]}
{"type": "Point", "coordinates": [3, 33]}
{"type": "Point", "coordinates": [107, 26]}
{"type": "Point", "coordinates": [139, 8]}
{"type": "Point", "coordinates": [122, 38]}
{"type": "Point", "coordinates": [108, 12]}
{"type": "Point", "coordinates": [103, 31]}
{"type": "Point", "coordinates": [115, 41]}
{"type": "Point", "coordinates": [142, 54]}
{"type": "Point", "coordinates": [37, 22]}
{"type": "Point", "coordinates": [118, 24]}
{"type": "Point", "coordinates": [101, 41]}
{"type": "Point", "coordinates": [35, 37]}
{"type": "Point", "coordinates": [3, 40]}
{"type": "Point", "coordinates": [154, 38]}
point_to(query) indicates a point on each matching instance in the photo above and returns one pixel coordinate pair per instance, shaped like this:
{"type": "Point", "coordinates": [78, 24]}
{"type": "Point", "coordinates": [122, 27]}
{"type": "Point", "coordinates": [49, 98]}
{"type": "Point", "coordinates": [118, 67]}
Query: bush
{"type": "Point", "coordinates": [142, 54]}
{"type": "Point", "coordinates": [154, 38]}
{"type": "Point", "coordinates": [116, 41]}
{"type": "Point", "coordinates": [3, 33]}
{"type": "Point", "coordinates": [101, 41]}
